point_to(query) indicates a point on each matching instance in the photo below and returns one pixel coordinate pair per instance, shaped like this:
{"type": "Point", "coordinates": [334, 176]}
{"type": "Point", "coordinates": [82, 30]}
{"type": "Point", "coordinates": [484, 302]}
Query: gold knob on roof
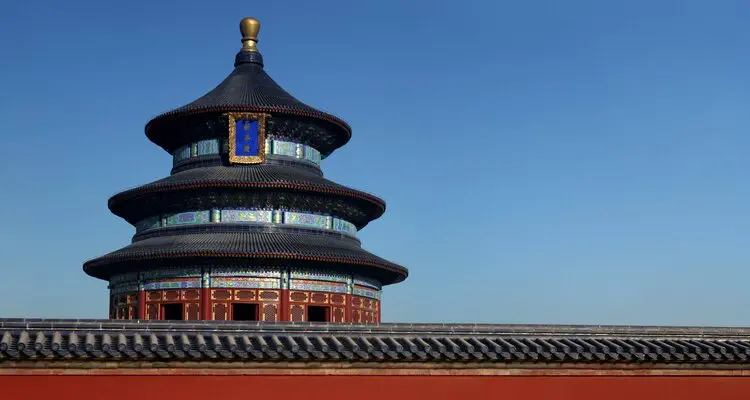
{"type": "Point", "coordinates": [249, 27]}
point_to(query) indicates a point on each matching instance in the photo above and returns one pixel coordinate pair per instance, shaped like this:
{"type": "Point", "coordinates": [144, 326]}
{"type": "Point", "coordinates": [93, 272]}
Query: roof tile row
{"type": "Point", "coordinates": [102, 340]}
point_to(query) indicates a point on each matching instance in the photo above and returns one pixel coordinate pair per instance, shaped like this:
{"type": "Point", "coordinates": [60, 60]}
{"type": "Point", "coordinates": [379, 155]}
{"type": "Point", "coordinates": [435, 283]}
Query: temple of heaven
{"type": "Point", "coordinates": [246, 227]}
{"type": "Point", "coordinates": [245, 279]}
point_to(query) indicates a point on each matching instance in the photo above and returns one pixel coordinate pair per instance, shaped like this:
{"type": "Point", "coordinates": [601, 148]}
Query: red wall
{"type": "Point", "coordinates": [374, 387]}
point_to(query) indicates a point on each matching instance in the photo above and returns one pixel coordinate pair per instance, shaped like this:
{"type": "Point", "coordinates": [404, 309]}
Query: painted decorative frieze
{"type": "Point", "coordinates": [283, 148]}
{"type": "Point", "coordinates": [246, 283]}
{"type": "Point", "coordinates": [123, 288]}
{"type": "Point", "coordinates": [122, 278]}
{"type": "Point", "coordinates": [305, 219]}
{"type": "Point", "coordinates": [317, 286]}
{"type": "Point", "coordinates": [171, 272]}
{"type": "Point", "coordinates": [366, 292]}
{"type": "Point", "coordinates": [272, 147]}
{"type": "Point", "coordinates": [148, 223]}
{"type": "Point", "coordinates": [207, 147]}
{"type": "Point", "coordinates": [190, 217]}
{"type": "Point", "coordinates": [344, 226]}
{"type": "Point", "coordinates": [245, 271]}
{"type": "Point", "coordinates": [318, 275]}
{"type": "Point", "coordinates": [173, 284]}
{"type": "Point", "coordinates": [312, 155]}
{"type": "Point", "coordinates": [369, 282]}
{"type": "Point", "coordinates": [246, 216]}
{"type": "Point", "coordinates": [182, 153]}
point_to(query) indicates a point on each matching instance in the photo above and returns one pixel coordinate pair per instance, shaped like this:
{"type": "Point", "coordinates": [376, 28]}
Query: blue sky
{"type": "Point", "coordinates": [543, 161]}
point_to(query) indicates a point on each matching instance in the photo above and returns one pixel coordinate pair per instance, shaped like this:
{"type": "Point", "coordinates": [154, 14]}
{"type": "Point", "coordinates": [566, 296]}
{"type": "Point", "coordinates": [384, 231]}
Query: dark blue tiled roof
{"type": "Point", "coordinates": [255, 177]}
{"type": "Point", "coordinates": [519, 344]}
{"type": "Point", "coordinates": [248, 88]}
{"type": "Point", "coordinates": [280, 245]}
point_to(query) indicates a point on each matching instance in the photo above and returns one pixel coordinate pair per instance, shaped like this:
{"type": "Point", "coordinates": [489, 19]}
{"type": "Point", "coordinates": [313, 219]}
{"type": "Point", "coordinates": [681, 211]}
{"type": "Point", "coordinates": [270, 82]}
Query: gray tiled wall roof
{"type": "Point", "coordinates": [162, 341]}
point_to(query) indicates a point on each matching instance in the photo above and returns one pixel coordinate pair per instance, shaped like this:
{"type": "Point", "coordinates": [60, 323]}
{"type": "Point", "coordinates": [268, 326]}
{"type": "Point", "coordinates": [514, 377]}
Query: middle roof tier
{"type": "Point", "coordinates": [261, 186]}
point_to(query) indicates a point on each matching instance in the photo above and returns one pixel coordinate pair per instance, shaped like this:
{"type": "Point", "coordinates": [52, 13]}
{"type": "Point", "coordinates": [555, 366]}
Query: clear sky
{"type": "Point", "coordinates": [543, 161]}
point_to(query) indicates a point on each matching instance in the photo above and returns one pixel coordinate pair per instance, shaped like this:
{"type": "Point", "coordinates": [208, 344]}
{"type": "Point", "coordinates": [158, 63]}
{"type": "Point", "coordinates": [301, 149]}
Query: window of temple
{"type": "Point", "coordinates": [318, 314]}
{"type": "Point", "coordinates": [244, 312]}
{"type": "Point", "coordinates": [172, 312]}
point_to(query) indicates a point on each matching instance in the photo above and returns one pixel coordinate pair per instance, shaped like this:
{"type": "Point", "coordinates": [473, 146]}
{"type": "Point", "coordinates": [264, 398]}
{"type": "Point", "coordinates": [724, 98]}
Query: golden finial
{"type": "Point", "coordinates": [249, 28]}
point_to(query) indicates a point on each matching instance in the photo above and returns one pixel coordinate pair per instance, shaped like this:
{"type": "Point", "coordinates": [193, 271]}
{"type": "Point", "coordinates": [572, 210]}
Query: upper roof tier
{"type": "Point", "coordinates": [248, 88]}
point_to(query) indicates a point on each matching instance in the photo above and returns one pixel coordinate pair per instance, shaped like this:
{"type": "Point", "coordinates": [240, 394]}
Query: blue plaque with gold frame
{"type": "Point", "coordinates": [247, 137]}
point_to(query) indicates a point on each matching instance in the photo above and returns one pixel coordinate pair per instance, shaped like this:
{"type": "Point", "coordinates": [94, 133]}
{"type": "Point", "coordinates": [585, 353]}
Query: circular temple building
{"type": "Point", "coordinates": [246, 227]}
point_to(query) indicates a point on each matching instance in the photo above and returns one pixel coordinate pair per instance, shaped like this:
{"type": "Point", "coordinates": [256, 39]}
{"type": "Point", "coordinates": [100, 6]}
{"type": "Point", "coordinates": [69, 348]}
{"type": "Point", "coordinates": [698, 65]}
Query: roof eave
{"type": "Point", "coordinates": [398, 273]}
{"type": "Point", "coordinates": [155, 123]}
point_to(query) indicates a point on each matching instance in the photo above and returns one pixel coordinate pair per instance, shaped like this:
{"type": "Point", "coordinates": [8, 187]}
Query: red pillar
{"type": "Point", "coordinates": [141, 303]}
{"type": "Point", "coordinates": [141, 307]}
{"type": "Point", "coordinates": [348, 308]}
{"type": "Point", "coordinates": [206, 303]}
{"type": "Point", "coordinates": [284, 312]}
{"type": "Point", "coordinates": [205, 308]}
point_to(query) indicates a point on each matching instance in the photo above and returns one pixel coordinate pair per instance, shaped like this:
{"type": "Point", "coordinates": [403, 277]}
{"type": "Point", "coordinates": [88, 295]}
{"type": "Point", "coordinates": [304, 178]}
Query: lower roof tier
{"type": "Point", "coordinates": [262, 186]}
{"type": "Point", "coordinates": [263, 248]}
